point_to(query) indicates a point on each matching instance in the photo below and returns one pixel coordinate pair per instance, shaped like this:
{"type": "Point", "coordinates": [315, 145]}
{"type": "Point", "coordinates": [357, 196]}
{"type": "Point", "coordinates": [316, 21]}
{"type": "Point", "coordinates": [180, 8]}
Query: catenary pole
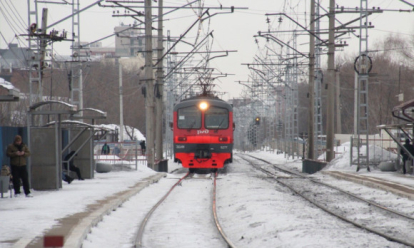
{"type": "Point", "coordinates": [338, 103]}
{"type": "Point", "coordinates": [149, 100]}
{"type": "Point", "coordinates": [331, 83]}
{"type": "Point", "coordinates": [311, 116]}
{"type": "Point", "coordinates": [121, 105]}
{"type": "Point", "coordinates": [160, 86]}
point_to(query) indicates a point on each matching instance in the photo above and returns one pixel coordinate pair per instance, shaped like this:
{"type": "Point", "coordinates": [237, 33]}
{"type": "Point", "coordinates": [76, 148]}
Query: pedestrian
{"type": "Point", "coordinates": [72, 167]}
{"type": "Point", "coordinates": [117, 151]}
{"type": "Point", "coordinates": [67, 178]}
{"type": "Point", "coordinates": [143, 147]}
{"type": "Point", "coordinates": [405, 156]}
{"type": "Point", "coordinates": [105, 149]}
{"type": "Point", "coordinates": [18, 152]}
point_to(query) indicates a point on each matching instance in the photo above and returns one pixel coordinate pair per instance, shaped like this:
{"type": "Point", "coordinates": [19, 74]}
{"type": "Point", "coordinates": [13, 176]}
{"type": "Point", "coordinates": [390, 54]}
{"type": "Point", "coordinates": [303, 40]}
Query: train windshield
{"type": "Point", "coordinates": [189, 118]}
{"type": "Point", "coordinates": [216, 118]}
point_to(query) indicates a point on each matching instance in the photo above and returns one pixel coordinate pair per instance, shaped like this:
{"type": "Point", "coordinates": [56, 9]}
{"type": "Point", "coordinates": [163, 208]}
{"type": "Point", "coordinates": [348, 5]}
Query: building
{"type": "Point", "coordinates": [130, 41]}
{"type": "Point", "coordinates": [14, 57]}
{"type": "Point", "coordinates": [95, 51]}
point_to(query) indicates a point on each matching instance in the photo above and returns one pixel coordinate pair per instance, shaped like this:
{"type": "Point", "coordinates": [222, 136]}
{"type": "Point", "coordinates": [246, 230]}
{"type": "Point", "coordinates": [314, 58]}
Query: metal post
{"type": "Point", "coordinates": [43, 44]}
{"type": "Point", "coordinates": [331, 83]}
{"type": "Point", "coordinates": [121, 107]}
{"type": "Point", "coordinates": [311, 83]}
{"type": "Point", "coordinates": [149, 100]}
{"type": "Point", "coordinates": [160, 86]}
{"type": "Point", "coordinates": [338, 104]}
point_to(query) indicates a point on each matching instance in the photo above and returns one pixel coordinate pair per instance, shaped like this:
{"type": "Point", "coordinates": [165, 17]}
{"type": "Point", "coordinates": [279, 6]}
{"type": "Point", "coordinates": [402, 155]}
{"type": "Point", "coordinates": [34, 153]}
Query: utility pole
{"type": "Point", "coordinates": [331, 83]}
{"type": "Point", "coordinates": [121, 106]}
{"type": "Point", "coordinates": [338, 103]}
{"type": "Point", "coordinates": [43, 44]}
{"type": "Point", "coordinates": [159, 86]}
{"type": "Point", "coordinates": [311, 114]}
{"type": "Point", "coordinates": [149, 100]}
{"type": "Point", "coordinates": [76, 65]}
{"type": "Point", "coordinates": [356, 104]}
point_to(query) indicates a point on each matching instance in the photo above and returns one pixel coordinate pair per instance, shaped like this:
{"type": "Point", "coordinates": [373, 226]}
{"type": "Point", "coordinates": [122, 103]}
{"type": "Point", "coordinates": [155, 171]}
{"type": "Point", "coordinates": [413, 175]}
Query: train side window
{"type": "Point", "coordinates": [189, 118]}
{"type": "Point", "coordinates": [216, 118]}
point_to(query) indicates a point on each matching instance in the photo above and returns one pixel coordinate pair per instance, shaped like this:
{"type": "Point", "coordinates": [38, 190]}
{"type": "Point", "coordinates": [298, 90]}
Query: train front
{"type": "Point", "coordinates": [203, 133]}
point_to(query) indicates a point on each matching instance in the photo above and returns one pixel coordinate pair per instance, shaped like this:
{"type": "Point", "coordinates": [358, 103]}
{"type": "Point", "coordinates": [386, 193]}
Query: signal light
{"type": "Point", "coordinates": [223, 139]}
{"type": "Point", "coordinates": [257, 120]}
{"type": "Point", "coordinates": [182, 138]}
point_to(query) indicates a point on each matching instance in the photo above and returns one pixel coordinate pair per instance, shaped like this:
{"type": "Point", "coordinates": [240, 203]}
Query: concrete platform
{"type": "Point", "coordinates": [75, 228]}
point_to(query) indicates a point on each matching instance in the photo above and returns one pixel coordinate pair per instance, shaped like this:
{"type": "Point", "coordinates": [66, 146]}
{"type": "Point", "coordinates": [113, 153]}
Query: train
{"type": "Point", "coordinates": [203, 133]}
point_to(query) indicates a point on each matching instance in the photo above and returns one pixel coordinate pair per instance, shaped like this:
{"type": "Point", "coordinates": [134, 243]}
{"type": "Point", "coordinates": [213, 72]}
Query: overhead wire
{"type": "Point", "coordinates": [7, 19]}
{"type": "Point", "coordinates": [16, 13]}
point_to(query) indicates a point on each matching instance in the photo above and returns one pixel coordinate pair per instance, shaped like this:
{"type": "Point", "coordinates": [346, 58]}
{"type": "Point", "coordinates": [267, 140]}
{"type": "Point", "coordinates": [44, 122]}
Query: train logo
{"type": "Point", "coordinates": [202, 131]}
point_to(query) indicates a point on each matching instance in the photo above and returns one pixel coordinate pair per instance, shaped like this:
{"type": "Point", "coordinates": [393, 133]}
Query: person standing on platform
{"type": "Point", "coordinates": [117, 151]}
{"type": "Point", "coordinates": [143, 147]}
{"type": "Point", "coordinates": [405, 156]}
{"type": "Point", "coordinates": [105, 149]}
{"type": "Point", "coordinates": [18, 152]}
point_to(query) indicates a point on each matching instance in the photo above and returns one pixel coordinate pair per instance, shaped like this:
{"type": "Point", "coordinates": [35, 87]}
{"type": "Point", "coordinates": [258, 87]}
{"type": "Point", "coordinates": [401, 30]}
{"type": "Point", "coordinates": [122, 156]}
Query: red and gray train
{"type": "Point", "coordinates": [203, 133]}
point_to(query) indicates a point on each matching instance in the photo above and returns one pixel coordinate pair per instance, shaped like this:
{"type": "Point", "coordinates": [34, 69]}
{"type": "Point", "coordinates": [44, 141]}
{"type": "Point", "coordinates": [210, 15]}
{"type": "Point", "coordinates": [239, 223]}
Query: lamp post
{"type": "Point", "coordinates": [400, 98]}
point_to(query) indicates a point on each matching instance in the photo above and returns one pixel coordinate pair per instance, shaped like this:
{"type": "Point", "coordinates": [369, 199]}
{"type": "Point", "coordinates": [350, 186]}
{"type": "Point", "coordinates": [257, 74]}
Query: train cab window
{"type": "Point", "coordinates": [189, 118]}
{"type": "Point", "coordinates": [216, 118]}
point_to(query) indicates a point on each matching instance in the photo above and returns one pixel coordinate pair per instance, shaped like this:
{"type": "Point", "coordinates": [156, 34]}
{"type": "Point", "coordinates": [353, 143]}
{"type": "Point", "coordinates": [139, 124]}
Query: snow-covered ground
{"type": "Point", "coordinates": [254, 212]}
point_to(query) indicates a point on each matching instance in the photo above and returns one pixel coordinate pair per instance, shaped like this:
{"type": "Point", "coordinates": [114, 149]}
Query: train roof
{"type": "Point", "coordinates": [211, 99]}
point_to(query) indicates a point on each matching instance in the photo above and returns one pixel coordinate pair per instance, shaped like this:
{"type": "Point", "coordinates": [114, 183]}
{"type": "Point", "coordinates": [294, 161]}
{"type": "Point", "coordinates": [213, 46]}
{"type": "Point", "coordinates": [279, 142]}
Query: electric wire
{"type": "Point", "coordinates": [16, 13]}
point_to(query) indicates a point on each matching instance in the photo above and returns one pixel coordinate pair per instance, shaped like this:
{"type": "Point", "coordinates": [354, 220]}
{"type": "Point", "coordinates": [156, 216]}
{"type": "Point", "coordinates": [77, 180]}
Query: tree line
{"type": "Point", "coordinates": [100, 91]}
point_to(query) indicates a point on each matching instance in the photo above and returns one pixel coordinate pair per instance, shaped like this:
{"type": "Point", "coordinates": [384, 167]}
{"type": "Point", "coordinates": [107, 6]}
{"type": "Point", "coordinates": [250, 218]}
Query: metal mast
{"type": "Point", "coordinates": [76, 70]}
{"type": "Point", "coordinates": [160, 85]}
{"type": "Point", "coordinates": [149, 78]}
{"type": "Point", "coordinates": [318, 87]}
{"type": "Point", "coordinates": [311, 140]}
{"type": "Point", "coordinates": [170, 91]}
{"type": "Point", "coordinates": [330, 83]}
{"type": "Point", "coordinates": [35, 75]}
{"type": "Point", "coordinates": [362, 100]}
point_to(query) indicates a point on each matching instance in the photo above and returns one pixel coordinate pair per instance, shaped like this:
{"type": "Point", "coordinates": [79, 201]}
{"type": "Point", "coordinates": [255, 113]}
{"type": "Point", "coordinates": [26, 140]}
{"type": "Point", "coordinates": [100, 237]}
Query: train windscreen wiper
{"type": "Point", "coordinates": [222, 121]}
{"type": "Point", "coordinates": [191, 126]}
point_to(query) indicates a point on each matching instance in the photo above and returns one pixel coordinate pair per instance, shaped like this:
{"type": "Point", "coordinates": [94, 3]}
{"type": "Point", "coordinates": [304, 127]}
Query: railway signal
{"type": "Point", "coordinates": [257, 120]}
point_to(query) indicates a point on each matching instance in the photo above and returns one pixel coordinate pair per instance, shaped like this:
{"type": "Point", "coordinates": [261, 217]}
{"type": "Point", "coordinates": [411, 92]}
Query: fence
{"type": "Point", "coordinates": [122, 155]}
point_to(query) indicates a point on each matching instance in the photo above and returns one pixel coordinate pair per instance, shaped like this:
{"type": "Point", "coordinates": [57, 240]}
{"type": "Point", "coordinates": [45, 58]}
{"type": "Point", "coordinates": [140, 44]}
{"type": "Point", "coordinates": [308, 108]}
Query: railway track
{"type": "Point", "coordinates": [139, 239]}
{"type": "Point", "coordinates": [365, 214]}
{"type": "Point", "coordinates": [140, 234]}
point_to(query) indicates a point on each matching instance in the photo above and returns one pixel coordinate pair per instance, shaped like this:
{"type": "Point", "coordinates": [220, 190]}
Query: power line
{"type": "Point", "coordinates": [6, 18]}
{"type": "Point", "coordinates": [16, 14]}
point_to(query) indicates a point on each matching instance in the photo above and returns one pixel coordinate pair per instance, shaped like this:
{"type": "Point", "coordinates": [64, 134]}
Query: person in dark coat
{"type": "Point", "coordinates": [105, 149]}
{"type": "Point", "coordinates": [117, 151]}
{"type": "Point", "coordinates": [72, 167]}
{"type": "Point", "coordinates": [405, 156]}
{"type": "Point", "coordinates": [18, 152]}
{"type": "Point", "coordinates": [67, 178]}
{"type": "Point", "coordinates": [143, 147]}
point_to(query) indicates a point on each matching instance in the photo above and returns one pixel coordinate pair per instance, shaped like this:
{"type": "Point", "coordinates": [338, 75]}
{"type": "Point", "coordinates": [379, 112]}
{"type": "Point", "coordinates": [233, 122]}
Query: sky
{"type": "Point", "coordinates": [231, 31]}
{"type": "Point", "coordinates": [253, 211]}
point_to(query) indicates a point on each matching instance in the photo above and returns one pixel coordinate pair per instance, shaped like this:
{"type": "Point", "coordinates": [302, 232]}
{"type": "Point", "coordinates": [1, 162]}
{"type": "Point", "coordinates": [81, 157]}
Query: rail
{"type": "Point", "coordinates": [220, 229]}
{"type": "Point", "coordinates": [140, 234]}
{"type": "Point", "coordinates": [326, 209]}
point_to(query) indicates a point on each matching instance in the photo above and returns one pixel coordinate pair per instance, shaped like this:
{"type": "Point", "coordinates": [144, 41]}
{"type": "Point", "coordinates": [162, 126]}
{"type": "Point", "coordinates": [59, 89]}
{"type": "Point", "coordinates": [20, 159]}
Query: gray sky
{"type": "Point", "coordinates": [231, 31]}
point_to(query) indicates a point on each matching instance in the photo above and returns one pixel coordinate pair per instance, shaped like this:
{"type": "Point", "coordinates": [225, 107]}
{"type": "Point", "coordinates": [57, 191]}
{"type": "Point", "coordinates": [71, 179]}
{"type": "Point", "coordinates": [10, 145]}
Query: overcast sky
{"type": "Point", "coordinates": [231, 31]}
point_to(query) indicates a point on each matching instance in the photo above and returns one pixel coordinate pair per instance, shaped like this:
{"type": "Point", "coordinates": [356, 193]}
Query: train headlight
{"type": "Point", "coordinates": [203, 105]}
